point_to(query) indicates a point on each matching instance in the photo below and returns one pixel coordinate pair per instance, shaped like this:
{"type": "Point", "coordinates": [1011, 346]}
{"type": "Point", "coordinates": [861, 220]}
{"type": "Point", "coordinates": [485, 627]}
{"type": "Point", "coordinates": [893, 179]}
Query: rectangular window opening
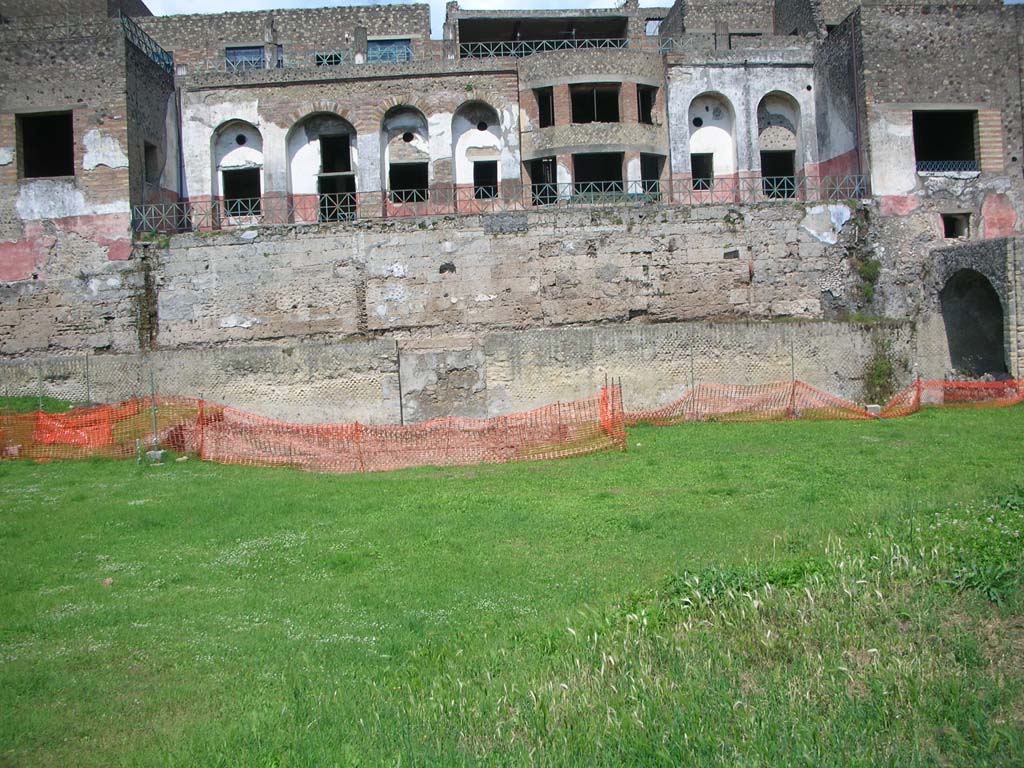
{"type": "Point", "coordinates": [545, 106]}
{"type": "Point", "coordinates": [543, 178]}
{"type": "Point", "coordinates": [702, 167]}
{"type": "Point", "coordinates": [595, 103]}
{"type": "Point", "coordinates": [485, 179]}
{"type": "Point", "coordinates": [650, 174]}
{"type": "Point", "coordinates": [337, 197]}
{"type": "Point", "coordinates": [778, 174]}
{"type": "Point", "coordinates": [151, 163]}
{"type": "Point", "coordinates": [335, 156]}
{"type": "Point", "coordinates": [240, 59]}
{"type": "Point", "coordinates": [645, 96]}
{"type": "Point", "coordinates": [597, 174]}
{"type": "Point", "coordinates": [329, 58]}
{"type": "Point", "coordinates": [242, 191]}
{"type": "Point", "coordinates": [956, 226]}
{"type": "Point", "coordinates": [652, 27]}
{"type": "Point", "coordinates": [408, 182]}
{"type": "Point", "coordinates": [46, 145]}
{"type": "Point", "coordinates": [383, 51]}
{"type": "Point", "coordinates": [945, 141]}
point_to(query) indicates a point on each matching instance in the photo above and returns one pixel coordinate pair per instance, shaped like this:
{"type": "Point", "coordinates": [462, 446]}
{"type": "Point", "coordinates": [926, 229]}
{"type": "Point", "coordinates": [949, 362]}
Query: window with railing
{"type": "Point", "coordinates": [330, 58]}
{"type": "Point", "coordinates": [702, 168]}
{"type": "Point", "coordinates": [595, 103]}
{"type": "Point", "coordinates": [945, 141]}
{"type": "Point", "coordinates": [241, 59]}
{"type": "Point", "coordinates": [545, 106]}
{"type": "Point", "coordinates": [379, 51]}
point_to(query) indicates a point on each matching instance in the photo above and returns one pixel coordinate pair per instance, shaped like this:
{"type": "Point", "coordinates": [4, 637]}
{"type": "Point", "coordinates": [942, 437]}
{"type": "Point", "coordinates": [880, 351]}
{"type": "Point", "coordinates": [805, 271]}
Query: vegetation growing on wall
{"type": "Point", "coordinates": [881, 371]}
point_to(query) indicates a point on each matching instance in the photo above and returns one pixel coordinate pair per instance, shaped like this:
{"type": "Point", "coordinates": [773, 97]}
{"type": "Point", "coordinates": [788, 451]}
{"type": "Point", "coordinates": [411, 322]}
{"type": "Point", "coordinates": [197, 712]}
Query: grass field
{"type": "Point", "coordinates": [721, 594]}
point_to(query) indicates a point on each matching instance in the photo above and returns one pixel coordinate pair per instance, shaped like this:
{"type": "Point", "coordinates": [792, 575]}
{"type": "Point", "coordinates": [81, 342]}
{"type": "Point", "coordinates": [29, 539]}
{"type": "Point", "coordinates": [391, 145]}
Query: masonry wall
{"type": "Point", "coordinates": [837, 80]}
{"type": "Point", "coordinates": [479, 375]}
{"type": "Point", "coordinates": [754, 15]}
{"type": "Point", "coordinates": [152, 119]}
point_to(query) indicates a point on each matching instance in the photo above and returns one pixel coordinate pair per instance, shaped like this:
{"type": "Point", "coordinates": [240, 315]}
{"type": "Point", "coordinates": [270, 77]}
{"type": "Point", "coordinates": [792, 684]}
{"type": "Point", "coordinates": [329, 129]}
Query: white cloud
{"type": "Point", "coordinates": [437, 7]}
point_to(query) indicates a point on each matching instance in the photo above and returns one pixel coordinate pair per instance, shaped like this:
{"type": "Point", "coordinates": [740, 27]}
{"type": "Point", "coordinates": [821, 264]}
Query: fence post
{"type": "Point", "coordinates": [39, 379]}
{"type": "Point", "coordinates": [88, 389]}
{"type": "Point", "coordinates": [693, 379]}
{"type": "Point", "coordinates": [152, 402]}
{"type": "Point", "coordinates": [792, 361]}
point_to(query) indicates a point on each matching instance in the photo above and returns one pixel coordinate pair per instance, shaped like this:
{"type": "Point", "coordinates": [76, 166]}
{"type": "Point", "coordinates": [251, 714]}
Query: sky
{"type": "Point", "coordinates": [162, 7]}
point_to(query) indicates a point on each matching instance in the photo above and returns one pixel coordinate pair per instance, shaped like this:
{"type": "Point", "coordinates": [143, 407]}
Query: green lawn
{"type": "Point", "coordinates": [607, 610]}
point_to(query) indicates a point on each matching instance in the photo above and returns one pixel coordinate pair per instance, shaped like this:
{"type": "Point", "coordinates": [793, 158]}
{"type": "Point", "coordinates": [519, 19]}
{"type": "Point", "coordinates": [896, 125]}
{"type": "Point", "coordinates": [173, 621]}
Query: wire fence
{"type": "Point", "coordinates": [452, 200]}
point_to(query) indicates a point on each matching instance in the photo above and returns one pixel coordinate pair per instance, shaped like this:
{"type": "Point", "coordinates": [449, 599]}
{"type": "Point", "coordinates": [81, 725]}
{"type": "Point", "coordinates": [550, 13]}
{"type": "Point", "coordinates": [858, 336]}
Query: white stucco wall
{"type": "Point", "coordinates": [304, 158]}
{"type": "Point", "coordinates": [716, 134]}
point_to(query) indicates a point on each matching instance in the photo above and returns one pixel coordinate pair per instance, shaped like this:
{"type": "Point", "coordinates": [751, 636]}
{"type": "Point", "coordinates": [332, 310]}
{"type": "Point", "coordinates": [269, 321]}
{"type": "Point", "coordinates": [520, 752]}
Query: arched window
{"type": "Point", "coordinates": [321, 168]}
{"type": "Point", "coordinates": [712, 123]}
{"type": "Point", "coordinates": [238, 168]}
{"type": "Point", "coordinates": [778, 140]}
{"type": "Point", "coordinates": [476, 149]}
{"type": "Point", "coordinates": [406, 155]}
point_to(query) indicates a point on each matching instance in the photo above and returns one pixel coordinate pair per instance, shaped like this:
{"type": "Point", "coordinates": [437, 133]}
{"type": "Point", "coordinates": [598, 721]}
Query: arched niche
{"type": "Point", "coordinates": [322, 164]}
{"type": "Point", "coordinates": [405, 161]}
{"type": "Point", "coordinates": [238, 167]}
{"type": "Point", "coordinates": [712, 122]}
{"type": "Point", "coordinates": [476, 148]}
{"type": "Point", "coordinates": [973, 316]}
{"type": "Point", "coordinates": [778, 141]}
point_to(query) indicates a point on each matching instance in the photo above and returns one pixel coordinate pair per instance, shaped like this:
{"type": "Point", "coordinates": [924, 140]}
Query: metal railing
{"type": "Point", "coordinates": [448, 200]}
{"type": "Point", "coordinates": [517, 49]}
{"type": "Point", "coordinates": [138, 37]}
{"type": "Point", "coordinates": [947, 166]}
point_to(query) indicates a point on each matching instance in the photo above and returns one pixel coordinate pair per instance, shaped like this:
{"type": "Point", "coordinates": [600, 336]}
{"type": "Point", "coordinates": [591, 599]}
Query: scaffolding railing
{"type": "Point", "coordinates": [449, 199]}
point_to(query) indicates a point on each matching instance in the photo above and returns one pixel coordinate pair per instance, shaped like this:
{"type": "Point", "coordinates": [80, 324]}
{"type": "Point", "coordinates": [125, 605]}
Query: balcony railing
{"type": "Point", "coordinates": [517, 49]}
{"type": "Point", "coordinates": [449, 200]}
{"type": "Point", "coordinates": [947, 166]}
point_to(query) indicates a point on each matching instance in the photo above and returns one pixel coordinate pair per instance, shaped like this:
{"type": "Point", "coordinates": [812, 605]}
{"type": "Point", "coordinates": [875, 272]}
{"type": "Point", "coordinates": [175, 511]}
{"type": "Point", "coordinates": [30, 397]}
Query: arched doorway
{"type": "Point", "coordinates": [238, 169]}
{"type": "Point", "coordinates": [973, 316]}
{"type": "Point", "coordinates": [778, 140]}
{"type": "Point", "coordinates": [322, 168]}
{"type": "Point", "coordinates": [712, 145]}
{"type": "Point", "coordinates": [476, 149]}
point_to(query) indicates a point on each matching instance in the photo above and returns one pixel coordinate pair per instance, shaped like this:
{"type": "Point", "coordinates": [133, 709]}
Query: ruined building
{"type": "Point", "coordinates": [499, 217]}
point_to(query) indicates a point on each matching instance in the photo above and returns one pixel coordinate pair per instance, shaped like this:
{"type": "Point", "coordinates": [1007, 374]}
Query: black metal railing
{"type": "Point", "coordinates": [518, 49]}
{"type": "Point", "coordinates": [138, 37]}
{"type": "Point", "coordinates": [448, 200]}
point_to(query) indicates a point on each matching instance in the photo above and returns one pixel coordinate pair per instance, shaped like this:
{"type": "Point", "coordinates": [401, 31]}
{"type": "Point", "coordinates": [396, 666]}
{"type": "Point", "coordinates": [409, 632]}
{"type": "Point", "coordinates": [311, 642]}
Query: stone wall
{"type": "Point", "coordinates": [490, 374]}
{"type": "Point", "coordinates": [837, 90]}
{"type": "Point", "coordinates": [752, 15]}
{"type": "Point", "coordinates": [799, 17]}
{"type": "Point", "coordinates": [457, 274]}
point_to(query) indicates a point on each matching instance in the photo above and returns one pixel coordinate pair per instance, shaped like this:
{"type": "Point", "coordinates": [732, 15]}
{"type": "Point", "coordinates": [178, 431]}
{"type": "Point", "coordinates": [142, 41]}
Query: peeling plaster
{"type": "Point", "coordinates": [825, 222]}
{"type": "Point", "coordinates": [6, 155]}
{"type": "Point", "coordinates": [101, 149]}
{"type": "Point", "coordinates": [58, 199]}
{"type": "Point", "coordinates": [239, 321]}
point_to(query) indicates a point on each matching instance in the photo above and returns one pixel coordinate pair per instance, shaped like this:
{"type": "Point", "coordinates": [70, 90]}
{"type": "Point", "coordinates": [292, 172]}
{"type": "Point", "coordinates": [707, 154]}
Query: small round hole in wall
{"type": "Point", "coordinates": [481, 126]}
{"type": "Point", "coordinates": [698, 121]}
{"type": "Point", "coordinates": [808, 87]}
{"type": "Point", "coordinates": [407, 137]}
{"type": "Point", "coordinates": [1013, 159]}
{"type": "Point", "coordinates": [240, 139]}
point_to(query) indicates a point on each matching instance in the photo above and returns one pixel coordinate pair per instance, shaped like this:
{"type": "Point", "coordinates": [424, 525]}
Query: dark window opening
{"type": "Point", "coordinates": [597, 174]}
{"type": "Point", "coordinates": [242, 192]}
{"type": "Point", "coordinates": [280, 57]}
{"type": "Point", "coordinates": [337, 197]}
{"type": "Point", "coordinates": [778, 174]}
{"type": "Point", "coordinates": [546, 106]}
{"type": "Point", "coordinates": [650, 174]}
{"type": "Point", "coordinates": [703, 170]}
{"type": "Point", "coordinates": [335, 156]}
{"type": "Point", "coordinates": [329, 58]}
{"type": "Point", "coordinates": [378, 51]}
{"type": "Point", "coordinates": [46, 145]}
{"type": "Point", "coordinates": [595, 103]}
{"type": "Point", "coordinates": [485, 179]}
{"type": "Point", "coordinates": [408, 182]}
{"type": "Point", "coordinates": [151, 163]}
{"type": "Point", "coordinates": [945, 141]}
{"type": "Point", "coordinates": [956, 225]}
{"type": "Point", "coordinates": [973, 316]}
{"type": "Point", "coordinates": [645, 96]}
{"type": "Point", "coordinates": [241, 59]}
{"type": "Point", "coordinates": [543, 181]}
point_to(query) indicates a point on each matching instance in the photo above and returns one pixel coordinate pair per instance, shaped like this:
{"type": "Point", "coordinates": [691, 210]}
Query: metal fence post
{"type": "Point", "coordinates": [693, 378]}
{"type": "Point", "coordinates": [792, 361]}
{"type": "Point", "coordinates": [39, 378]}
{"type": "Point", "coordinates": [88, 390]}
{"type": "Point", "coordinates": [152, 390]}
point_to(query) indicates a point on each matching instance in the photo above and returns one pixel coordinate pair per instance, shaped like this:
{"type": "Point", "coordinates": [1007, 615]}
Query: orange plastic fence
{"type": "Point", "coordinates": [976, 394]}
{"type": "Point", "coordinates": [229, 436]}
{"type": "Point", "coordinates": [775, 401]}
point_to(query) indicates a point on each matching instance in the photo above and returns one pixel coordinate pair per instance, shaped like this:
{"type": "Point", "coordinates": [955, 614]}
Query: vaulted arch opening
{"type": "Point", "coordinates": [476, 149]}
{"type": "Point", "coordinates": [778, 141]}
{"type": "Point", "coordinates": [405, 142]}
{"type": "Point", "coordinates": [973, 316]}
{"type": "Point", "coordinates": [712, 122]}
{"type": "Point", "coordinates": [238, 168]}
{"type": "Point", "coordinates": [322, 168]}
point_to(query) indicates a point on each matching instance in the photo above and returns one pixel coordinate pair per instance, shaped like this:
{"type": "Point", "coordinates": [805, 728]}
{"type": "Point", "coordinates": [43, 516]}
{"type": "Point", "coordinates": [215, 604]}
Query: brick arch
{"type": "Point", "coordinates": [987, 258]}
{"type": "Point", "coordinates": [484, 96]}
{"type": "Point", "coordinates": [404, 100]}
{"type": "Point", "coordinates": [309, 108]}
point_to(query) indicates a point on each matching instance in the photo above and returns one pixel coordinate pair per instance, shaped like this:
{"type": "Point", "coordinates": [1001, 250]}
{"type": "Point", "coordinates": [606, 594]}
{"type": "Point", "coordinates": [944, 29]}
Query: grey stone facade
{"type": "Point", "coordinates": [533, 219]}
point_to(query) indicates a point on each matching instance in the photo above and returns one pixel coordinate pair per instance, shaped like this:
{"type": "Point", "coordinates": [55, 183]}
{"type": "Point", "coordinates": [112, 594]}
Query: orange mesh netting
{"type": "Point", "coordinates": [972, 394]}
{"type": "Point", "coordinates": [230, 436]}
{"type": "Point", "coordinates": [775, 401]}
